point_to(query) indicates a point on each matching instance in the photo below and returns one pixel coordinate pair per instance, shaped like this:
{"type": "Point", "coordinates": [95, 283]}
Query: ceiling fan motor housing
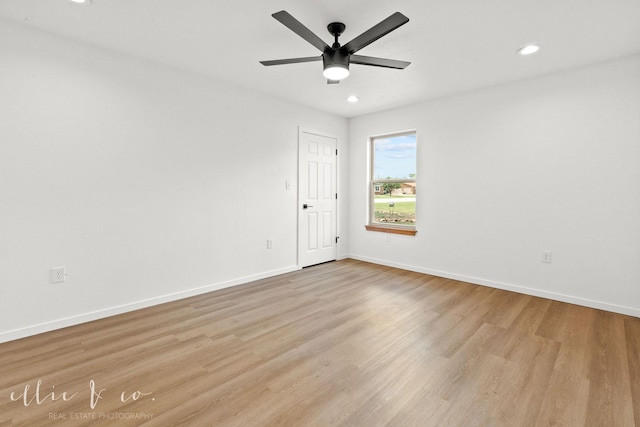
{"type": "Point", "coordinates": [335, 58]}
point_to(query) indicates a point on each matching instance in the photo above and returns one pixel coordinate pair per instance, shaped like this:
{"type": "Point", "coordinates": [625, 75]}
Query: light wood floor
{"type": "Point", "coordinates": [345, 343]}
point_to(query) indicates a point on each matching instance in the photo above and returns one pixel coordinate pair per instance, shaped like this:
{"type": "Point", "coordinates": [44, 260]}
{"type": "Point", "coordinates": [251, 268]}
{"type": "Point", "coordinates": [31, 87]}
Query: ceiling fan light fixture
{"type": "Point", "coordinates": [336, 72]}
{"type": "Point", "coordinates": [335, 65]}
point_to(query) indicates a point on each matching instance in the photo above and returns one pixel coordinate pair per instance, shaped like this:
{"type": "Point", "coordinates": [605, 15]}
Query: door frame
{"type": "Point", "coordinates": [302, 130]}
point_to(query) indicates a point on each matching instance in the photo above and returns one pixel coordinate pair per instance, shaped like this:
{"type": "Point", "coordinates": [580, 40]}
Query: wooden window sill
{"type": "Point", "coordinates": [393, 230]}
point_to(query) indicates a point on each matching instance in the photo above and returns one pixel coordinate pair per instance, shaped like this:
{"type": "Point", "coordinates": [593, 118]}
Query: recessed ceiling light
{"type": "Point", "coordinates": [528, 50]}
{"type": "Point", "coordinates": [81, 1]}
{"type": "Point", "coordinates": [353, 98]}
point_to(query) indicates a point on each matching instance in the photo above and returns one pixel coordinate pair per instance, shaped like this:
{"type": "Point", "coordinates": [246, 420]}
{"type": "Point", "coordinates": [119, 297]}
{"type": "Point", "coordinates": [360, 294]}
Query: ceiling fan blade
{"type": "Point", "coordinates": [332, 82]}
{"type": "Point", "coordinates": [296, 26]}
{"type": "Point", "coordinates": [291, 60]}
{"type": "Point", "coordinates": [375, 32]}
{"type": "Point", "coordinates": [378, 62]}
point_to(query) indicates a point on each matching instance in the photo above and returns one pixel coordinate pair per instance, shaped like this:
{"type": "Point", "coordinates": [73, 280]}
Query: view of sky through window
{"type": "Point", "coordinates": [395, 157]}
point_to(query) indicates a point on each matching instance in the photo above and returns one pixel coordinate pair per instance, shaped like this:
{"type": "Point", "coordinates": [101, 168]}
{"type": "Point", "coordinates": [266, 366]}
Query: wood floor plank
{"type": "Point", "coordinates": [575, 353]}
{"type": "Point", "coordinates": [479, 385]}
{"type": "Point", "coordinates": [553, 324]}
{"type": "Point", "coordinates": [527, 376]}
{"type": "Point", "coordinates": [610, 401]}
{"type": "Point", "coordinates": [346, 343]}
{"type": "Point", "coordinates": [565, 402]}
{"type": "Point", "coordinates": [632, 334]}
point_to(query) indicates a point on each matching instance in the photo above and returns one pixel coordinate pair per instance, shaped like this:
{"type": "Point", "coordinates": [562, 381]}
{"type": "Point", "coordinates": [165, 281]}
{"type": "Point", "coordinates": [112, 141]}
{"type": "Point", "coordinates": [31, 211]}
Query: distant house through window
{"type": "Point", "coordinates": [392, 184]}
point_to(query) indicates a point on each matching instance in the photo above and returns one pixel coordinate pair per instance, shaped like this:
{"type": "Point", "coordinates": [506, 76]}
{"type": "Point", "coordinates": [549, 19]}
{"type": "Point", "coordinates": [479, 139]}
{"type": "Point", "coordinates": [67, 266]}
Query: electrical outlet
{"type": "Point", "coordinates": [269, 243]}
{"type": "Point", "coordinates": [58, 275]}
{"type": "Point", "coordinates": [546, 257]}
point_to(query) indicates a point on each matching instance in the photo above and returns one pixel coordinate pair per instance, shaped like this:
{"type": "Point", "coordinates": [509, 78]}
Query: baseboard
{"type": "Point", "coordinates": [630, 311]}
{"type": "Point", "coordinates": [125, 308]}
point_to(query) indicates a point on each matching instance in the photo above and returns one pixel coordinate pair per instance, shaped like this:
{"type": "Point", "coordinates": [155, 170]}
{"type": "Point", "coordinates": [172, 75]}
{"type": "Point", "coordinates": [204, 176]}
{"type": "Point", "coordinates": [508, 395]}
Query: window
{"type": "Point", "coordinates": [392, 184]}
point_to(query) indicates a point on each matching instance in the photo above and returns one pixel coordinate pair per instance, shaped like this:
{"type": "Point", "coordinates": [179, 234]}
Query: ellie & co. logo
{"type": "Point", "coordinates": [37, 396]}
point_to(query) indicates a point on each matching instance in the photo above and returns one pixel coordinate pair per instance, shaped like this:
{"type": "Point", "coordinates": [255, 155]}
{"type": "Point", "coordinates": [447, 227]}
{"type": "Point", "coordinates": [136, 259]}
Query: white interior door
{"type": "Point", "coordinates": [317, 198]}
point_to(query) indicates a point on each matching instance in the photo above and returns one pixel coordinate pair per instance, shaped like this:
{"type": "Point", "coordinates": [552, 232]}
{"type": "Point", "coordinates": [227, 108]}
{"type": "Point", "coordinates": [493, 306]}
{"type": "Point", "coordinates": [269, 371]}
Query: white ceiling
{"type": "Point", "coordinates": [454, 45]}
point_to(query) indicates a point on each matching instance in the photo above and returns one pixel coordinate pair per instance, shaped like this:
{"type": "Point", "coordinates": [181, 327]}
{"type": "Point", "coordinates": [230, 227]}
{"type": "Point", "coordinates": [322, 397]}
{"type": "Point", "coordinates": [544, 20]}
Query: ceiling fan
{"type": "Point", "coordinates": [336, 58]}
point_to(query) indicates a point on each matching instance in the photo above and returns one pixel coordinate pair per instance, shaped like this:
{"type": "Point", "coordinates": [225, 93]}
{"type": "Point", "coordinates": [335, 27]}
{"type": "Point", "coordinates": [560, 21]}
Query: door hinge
{"type": "Point", "coordinates": [336, 196]}
{"type": "Point", "coordinates": [337, 237]}
{"type": "Point", "coordinates": [336, 151]}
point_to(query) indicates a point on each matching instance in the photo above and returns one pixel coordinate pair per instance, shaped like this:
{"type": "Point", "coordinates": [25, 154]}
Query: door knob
{"type": "Point", "coordinates": [305, 206]}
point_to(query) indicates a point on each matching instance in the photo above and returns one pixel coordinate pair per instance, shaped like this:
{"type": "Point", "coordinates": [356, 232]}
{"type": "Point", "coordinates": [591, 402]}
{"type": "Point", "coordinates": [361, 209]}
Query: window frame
{"type": "Point", "coordinates": [371, 225]}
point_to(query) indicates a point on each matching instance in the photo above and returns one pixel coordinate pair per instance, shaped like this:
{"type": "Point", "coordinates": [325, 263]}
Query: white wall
{"type": "Point", "coordinates": [548, 164]}
{"type": "Point", "coordinates": [146, 183]}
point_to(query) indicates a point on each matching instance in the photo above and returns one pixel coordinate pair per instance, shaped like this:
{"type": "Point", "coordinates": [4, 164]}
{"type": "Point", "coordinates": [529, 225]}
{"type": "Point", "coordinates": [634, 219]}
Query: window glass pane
{"type": "Point", "coordinates": [393, 181]}
{"type": "Point", "coordinates": [394, 157]}
{"type": "Point", "coordinates": [395, 203]}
